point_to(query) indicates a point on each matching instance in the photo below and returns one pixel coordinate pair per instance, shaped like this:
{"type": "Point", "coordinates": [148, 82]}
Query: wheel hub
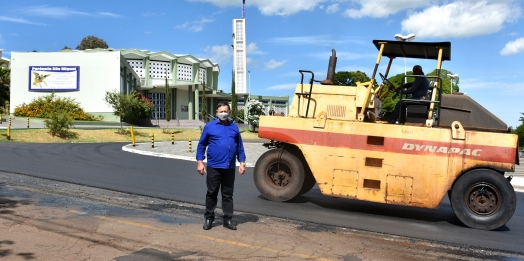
{"type": "Point", "coordinates": [483, 199]}
{"type": "Point", "coordinates": [279, 174]}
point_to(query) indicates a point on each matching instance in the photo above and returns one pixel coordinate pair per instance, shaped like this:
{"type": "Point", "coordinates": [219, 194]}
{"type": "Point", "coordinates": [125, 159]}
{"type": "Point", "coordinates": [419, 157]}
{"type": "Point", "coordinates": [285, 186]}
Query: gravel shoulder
{"type": "Point", "coordinates": [49, 220]}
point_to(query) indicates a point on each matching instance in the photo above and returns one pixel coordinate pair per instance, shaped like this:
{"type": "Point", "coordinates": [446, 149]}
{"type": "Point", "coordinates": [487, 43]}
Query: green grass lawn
{"type": "Point", "coordinates": [107, 135]}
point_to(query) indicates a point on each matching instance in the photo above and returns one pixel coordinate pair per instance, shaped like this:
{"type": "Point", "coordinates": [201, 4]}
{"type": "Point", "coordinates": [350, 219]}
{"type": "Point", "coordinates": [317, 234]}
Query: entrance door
{"type": "Point", "coordinates": [159, 100]}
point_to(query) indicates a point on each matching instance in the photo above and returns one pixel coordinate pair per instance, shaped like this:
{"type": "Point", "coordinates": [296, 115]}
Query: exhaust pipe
{"type": "Point", "coordinates": [330, 79]}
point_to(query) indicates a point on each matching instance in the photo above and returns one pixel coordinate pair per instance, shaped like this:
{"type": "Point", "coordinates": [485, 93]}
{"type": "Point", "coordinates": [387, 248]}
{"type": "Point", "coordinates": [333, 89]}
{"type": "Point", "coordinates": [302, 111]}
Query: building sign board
{"type": "Point", "coordinates": [54, 78]}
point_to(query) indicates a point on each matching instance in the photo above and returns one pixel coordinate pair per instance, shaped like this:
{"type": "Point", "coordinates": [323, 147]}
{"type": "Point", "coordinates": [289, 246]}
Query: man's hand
{"type": "Point", "coordinates": [242, 168]}
{"type": "Point", "coordinates": [201, 168]}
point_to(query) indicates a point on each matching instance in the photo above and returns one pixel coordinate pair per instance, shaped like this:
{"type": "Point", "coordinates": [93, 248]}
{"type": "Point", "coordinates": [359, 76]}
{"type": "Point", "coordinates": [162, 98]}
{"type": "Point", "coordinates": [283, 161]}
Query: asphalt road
{"type": "Point", "coordinates": [107, 166]}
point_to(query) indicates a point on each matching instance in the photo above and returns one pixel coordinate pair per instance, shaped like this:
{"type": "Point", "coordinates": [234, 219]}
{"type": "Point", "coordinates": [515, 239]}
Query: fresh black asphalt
{"type": "Point", "coordinates": [105, 165]}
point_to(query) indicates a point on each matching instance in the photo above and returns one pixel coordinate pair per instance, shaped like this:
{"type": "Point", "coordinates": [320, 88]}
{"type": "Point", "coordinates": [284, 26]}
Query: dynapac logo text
{"type": "Point", "coordinates": [441, 149]}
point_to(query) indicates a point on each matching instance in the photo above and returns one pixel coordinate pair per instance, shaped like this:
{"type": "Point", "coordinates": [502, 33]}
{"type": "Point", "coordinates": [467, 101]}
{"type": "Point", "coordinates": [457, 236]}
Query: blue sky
{"type": "Point", "coordinates": [286, 36]}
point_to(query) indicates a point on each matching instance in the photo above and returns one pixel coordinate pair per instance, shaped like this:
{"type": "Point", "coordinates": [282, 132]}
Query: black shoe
{"type": "Point", "coordinates": [229, 224]}
{"type": "Point", "coordinates": [208, 224]}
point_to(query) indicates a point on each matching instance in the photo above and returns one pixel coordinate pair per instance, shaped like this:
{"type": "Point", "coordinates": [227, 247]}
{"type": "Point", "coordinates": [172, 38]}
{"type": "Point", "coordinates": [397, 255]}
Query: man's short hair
{"type": "Point", "coordinates": [220, 104]}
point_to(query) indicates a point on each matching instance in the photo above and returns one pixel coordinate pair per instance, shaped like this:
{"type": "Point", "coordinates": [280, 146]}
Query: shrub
{"type": "Point", "coordinates": [254, 109]}
{"type": "Point", "coordinates": [45, 106]}
{"type": "Point", "coordinates": [141, 108]}
{"type": "Point", "coordinates": [130, 108]}
{"type": "Point", "coordinates": [240, 115]}
{"type": "Point", "coordinates": [58, 123]}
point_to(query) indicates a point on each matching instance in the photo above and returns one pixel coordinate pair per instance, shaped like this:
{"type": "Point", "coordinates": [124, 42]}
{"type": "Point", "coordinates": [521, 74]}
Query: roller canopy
{"type": "Point", "coordinates": [419, 50]}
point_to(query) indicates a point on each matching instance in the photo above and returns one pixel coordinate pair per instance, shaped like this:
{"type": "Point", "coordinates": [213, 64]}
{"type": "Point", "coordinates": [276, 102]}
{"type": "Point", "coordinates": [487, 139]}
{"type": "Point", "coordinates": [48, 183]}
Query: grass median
{"type": "Point", "coordinates": [108, 135]}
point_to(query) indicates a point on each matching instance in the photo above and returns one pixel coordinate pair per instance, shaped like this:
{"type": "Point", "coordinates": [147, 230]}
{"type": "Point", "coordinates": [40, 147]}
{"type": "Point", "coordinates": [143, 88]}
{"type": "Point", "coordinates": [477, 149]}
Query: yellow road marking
{"type": "Point", "coordinates": [215, 239]}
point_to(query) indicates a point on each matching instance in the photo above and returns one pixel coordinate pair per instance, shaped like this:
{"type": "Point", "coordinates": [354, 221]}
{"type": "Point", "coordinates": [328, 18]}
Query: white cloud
{"type": "Point", "coordinates": [109, 14]}
{"type": "Point", "coordinates": [272, 64]}
{"type": "Point", "coordinates": [219, 53]}
{"type": "Point", "coordinates": [18, 20]}
{"type": "Point", "coordinates": [382, 8]}
{"type": "Point", "coordinates": [282, 8]}
{"type": "Point", "coordinates": [1, 40]}
{"type": "Point", "coordinates": [314, 39]}
{"type": "Point", "coordinates": [332, 9]}
{"type": "Point", "coordinates": [513, 47]}
{"type": "Point", "coordinates": [461, 19]}
{"type": "Point", "coordinates": [252, 49]}
{"type": "Point", "coordinates": [289, 86]}
{"type": "Point", "coordinates": [56, 12]}
{"type": "Point", "coordinates": [195, 26]}
{"type": "Point", "coordinates": [62, 12]}
{"type": "Point", "coordinates": [510, 88]}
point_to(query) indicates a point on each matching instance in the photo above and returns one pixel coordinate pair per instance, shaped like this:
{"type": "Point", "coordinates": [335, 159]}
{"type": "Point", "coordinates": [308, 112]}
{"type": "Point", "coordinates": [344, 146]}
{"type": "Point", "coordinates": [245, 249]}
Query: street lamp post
{"type": "Point", "coordinates": [249, 85]}
{"type": "Point", "coordinates": [407, 38]}
{"type": "Point", "coordinates": [451, 77]}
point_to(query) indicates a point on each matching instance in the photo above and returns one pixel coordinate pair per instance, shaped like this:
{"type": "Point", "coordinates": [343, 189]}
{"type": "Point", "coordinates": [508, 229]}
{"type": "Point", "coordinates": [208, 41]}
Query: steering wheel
{"type": "Point", "coordinates": [388, 83]}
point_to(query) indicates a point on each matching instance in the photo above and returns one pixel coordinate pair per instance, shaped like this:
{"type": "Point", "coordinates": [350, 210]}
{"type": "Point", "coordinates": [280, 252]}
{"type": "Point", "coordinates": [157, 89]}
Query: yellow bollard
{"type": "Point", "coordinates": [9, 120]}
{"type": "Point", "coordinates": [9, 132]}
{"type": "Point", "coordinates": [152, 140]}
{"type": "Point", "coordinates": [173, 138]}
{"type": "Point", "coordinates": [132, 135]}
{"type": "Point", "coordinates": [1, 119]}
{"type": "Point", "coordinates": [190, 145]}
{"type": "Point", "coordinates": [28, 123]}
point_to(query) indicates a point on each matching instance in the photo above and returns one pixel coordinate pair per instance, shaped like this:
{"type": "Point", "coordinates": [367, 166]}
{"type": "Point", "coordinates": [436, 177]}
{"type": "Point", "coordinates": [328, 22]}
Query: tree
{"type": "Point", "coordinates": [5, 81]}
{"type": "Point", "coordinates": [350, 78]}
{"type": "Point", "coordinates": [120, 103]}
{"type": "Point", "coordinates": [520, 131]}
{"type": "Point", "coordinates": [234, 102]}
{"type": "Point", "coordinates": [391, 99]}
{"type": "Point", "coordinates": [66, 48]}
{"type": "Point", "coordinates": [204, 102]}
{"type": "Point", "coordinates": [92, 42]}
{"type": "Point", "coordinates": [168, 103]}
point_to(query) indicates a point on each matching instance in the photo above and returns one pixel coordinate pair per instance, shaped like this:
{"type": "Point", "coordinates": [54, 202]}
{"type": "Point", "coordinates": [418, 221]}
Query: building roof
{"type": "Point", "coordinates": [156, 56]}
{"type": "Point", "coordinates": [167, 57]}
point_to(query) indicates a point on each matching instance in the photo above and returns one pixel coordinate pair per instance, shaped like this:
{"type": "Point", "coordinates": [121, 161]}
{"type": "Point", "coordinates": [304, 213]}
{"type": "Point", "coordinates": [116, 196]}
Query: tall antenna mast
{"type": "Point", "coordinates": [243, 9]}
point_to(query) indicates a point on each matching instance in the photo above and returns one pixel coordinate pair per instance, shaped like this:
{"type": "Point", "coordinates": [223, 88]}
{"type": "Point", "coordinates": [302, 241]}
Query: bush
{"type": "Point", "coordinates": [46, 106]}
{"type": "Point", "coordinates": [254, 109]}
{"type": "Point", "coordinates": [240, 115]}
{"type": "Point", "coordinates": [58, 123]}
{"type": "Point", "coordinates": [139, 109]}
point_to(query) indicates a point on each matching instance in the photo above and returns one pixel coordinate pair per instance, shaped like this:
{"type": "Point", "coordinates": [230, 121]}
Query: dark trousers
{"type": "Point", "coordinates": [223, 180]}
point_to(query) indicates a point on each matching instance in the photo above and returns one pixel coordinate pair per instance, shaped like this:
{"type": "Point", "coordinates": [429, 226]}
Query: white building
{"type": "Point", "coordinates": [87, 75]}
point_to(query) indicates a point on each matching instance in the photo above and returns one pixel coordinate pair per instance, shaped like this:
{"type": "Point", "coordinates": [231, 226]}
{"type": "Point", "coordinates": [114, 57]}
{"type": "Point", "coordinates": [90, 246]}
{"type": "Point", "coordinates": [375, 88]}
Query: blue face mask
{"type": "Point", "coordinates": [223, 116]}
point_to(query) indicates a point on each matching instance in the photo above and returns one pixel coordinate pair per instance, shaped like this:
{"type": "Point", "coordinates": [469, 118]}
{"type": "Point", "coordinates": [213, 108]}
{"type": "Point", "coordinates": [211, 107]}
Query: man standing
{"type": "Point", "coordinates": [418, 90]}
{"type": "Point", "coordinates": [224, 146]}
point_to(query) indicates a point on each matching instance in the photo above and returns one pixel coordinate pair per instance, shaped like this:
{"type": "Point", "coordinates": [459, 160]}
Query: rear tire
{"type": "Point", "coordinates": [483, 199]}
{"type": "Point", "coordinates": [280, 176]}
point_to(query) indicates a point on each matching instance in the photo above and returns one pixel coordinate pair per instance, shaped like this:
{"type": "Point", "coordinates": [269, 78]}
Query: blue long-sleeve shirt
{"type": "Point", "coordinates": [224, 145]}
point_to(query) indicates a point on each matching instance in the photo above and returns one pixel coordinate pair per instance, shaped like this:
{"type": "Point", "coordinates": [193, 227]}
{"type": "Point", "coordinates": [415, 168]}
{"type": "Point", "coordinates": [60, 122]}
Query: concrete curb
{"type": "Point", "coordinates": [129, 148]}
{"type": "Point", "coordinates": [518, 183]}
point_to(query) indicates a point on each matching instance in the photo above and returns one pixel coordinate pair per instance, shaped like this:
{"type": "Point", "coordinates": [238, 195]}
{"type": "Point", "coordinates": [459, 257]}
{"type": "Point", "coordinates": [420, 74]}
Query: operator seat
{"type": "Point", "coordinates": [416, 111]}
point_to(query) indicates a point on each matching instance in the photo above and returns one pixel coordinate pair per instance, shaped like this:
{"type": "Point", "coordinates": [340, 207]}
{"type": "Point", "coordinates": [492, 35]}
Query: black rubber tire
{"type": "Point", "coordinates": [279, 175]}
{"type": "Point", "coordinates": [483, 199]}
{"type": "Point", "coordinates": [309, 180]}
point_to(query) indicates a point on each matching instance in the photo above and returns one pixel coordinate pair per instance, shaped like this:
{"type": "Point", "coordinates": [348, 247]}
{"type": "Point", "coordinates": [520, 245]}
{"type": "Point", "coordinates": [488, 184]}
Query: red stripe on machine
{"type": "Point", "coordinates": [393, 145]}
